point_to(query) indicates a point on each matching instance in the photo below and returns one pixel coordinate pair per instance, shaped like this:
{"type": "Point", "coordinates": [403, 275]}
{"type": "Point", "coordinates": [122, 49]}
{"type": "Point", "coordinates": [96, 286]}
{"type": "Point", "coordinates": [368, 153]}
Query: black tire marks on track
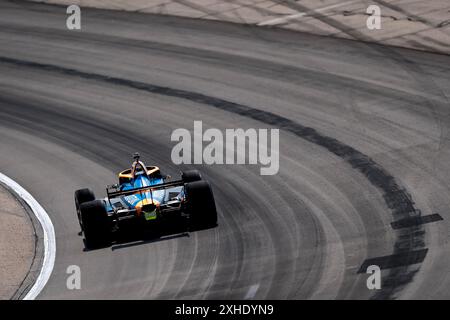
{"type": "Point", "coordinates": [409, 240]}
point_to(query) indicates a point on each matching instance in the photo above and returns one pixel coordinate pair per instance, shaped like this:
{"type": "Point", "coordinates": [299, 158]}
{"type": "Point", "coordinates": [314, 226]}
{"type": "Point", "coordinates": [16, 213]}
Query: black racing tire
{"type": "Point", "coordinates": [200, 205]}
{"type": "Point", "coordinates": [191, 176]}
{"type": "Point", "coordinates": [82, 196]}
{"type": "Point", "coordinates": [96, 224]}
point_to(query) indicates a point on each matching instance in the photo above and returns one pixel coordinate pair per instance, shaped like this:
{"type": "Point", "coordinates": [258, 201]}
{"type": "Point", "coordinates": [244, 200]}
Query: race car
{"type": "Point", "coordinates": [145, 198]}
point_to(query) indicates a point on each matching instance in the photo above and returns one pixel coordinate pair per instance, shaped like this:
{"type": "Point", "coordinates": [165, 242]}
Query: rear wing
{"type": "Point", "coordinates": [112, 191]}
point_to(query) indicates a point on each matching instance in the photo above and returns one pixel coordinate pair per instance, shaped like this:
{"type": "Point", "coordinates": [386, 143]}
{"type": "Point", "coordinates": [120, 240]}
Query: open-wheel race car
{"type": "Point", "coordinates": [145, 198]}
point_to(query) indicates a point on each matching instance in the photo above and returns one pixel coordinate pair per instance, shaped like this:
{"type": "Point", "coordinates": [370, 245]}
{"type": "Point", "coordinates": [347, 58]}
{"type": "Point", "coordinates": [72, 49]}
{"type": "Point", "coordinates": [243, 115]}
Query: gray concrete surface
{"type": "Point", "coordinates": [75, 105]}
{"type": "Point", "coordinates": [423, 25]}
{"type": "Point", "coordinates": [17, 245]}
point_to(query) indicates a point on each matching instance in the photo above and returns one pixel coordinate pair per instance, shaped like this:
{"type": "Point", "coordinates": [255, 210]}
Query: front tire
{"type": "Point", "coordinates": [200, 205]}
{"type": "Point", "coordinates": [82, 196]}
{"type": "Point", "coordinates": [96, 224]}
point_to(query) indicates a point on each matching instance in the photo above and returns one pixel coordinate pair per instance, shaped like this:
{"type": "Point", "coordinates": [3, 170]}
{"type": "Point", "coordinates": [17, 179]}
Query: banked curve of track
{"type": "Point", "coordinates": [341, 184]}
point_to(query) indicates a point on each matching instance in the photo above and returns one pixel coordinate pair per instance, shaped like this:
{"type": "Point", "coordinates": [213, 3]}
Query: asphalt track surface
{"type": "Point", "coordinates": [364, 142]}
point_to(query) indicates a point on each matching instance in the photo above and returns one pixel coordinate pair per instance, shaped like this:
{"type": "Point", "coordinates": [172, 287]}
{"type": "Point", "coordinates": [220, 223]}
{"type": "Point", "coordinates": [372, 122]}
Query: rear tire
{"type": "Point", "coordinates": [191, 176]}
{"type": "Point", "coordinates": [82, 196]}
{"type": "Point", "coordinates": [96, 224]}
{"type": "Point", "coordinates": [200, 205]}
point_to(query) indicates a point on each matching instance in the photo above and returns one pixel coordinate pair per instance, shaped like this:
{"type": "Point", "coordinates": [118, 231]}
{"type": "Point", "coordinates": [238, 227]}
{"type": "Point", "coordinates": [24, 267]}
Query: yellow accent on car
{"type": "Point", "coordinates": [143, 203]}
{"type": "Point", "coordinates": [150, 215]}
{"type": "Point", "coordinates": [127, 173]}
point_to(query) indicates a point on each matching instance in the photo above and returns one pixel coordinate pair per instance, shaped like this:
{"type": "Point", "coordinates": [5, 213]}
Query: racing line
{"type": "Point", "coordinates": [360, 148]}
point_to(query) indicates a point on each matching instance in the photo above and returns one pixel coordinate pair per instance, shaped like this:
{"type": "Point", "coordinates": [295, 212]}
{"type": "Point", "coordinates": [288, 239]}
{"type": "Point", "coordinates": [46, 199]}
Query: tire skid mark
{"type": "Point", "coordinates": [397, 199]}
{"type": "Point", "coordinates": [81, 128]}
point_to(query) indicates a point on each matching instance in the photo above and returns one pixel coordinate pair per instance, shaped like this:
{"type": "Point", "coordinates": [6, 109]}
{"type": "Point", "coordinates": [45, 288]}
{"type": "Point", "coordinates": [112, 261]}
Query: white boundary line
{"type": "Point", "coordinates": [49, 236]}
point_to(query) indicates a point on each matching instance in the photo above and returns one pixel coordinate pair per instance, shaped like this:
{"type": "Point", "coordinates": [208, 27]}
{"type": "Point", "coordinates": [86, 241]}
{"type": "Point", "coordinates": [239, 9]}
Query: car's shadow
{"type": "Point", "coordinates": [135, 235]}
{"type": "Point", "coordinates": [132, 236]}
{"type": "Point", "coordinates": [147, 240]}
